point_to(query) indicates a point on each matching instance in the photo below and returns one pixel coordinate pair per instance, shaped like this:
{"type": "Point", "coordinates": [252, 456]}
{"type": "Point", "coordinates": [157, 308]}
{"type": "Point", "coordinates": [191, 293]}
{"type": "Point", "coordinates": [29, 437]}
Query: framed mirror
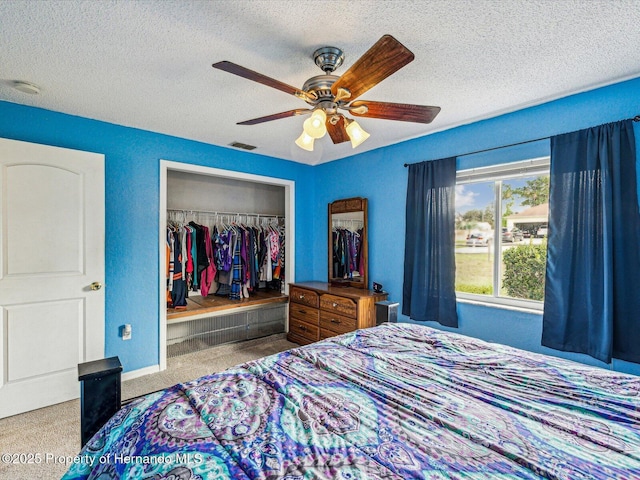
{"type": "Point", "coordinates": [348, 246]}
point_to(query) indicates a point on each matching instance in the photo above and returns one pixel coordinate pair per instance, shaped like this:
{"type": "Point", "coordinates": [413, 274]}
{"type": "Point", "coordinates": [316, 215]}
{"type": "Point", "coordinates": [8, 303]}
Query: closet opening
{"type": "Point", "coordinates": [226, 257]}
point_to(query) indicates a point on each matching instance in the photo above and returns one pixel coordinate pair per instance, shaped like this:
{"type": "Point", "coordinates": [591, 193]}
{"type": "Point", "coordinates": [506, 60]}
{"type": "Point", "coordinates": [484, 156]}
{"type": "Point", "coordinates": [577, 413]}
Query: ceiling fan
{"type": "Point", "coordinates": [329, 94]}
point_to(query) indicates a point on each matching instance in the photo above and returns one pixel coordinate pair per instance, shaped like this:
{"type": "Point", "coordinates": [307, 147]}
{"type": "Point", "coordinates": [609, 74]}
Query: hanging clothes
{"type": "Point", "coordinates": [208, 273]}
{"type": "Point", "coordinates": [176, 284]}
{"type": "Point", "coordinates": [226, 260]}
{"type": "Point", "coordinates": [169, 272]}
{"type": "Point", "coordinates": [257, 259]}
{"type": "Point", "coordinates": [194, 258]}
{"type": "Point", "coordinates": [347, 253]}
{"type": "Point", "coordinates": [236, 271]}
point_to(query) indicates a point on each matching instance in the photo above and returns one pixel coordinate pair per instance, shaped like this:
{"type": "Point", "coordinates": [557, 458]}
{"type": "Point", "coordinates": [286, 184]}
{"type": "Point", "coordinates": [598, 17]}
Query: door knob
{"type": "Point", "coordinates": [95, 286]}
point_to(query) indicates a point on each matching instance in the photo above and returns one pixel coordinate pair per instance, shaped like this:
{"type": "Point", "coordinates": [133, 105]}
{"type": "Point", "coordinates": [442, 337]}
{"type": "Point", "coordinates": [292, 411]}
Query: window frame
{"type": "Point", "coordinates": [498, 173]}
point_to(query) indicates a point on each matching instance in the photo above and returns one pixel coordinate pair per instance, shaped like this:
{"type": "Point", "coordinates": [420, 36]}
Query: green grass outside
{"type": "Point", "coordinates": [474, 273]}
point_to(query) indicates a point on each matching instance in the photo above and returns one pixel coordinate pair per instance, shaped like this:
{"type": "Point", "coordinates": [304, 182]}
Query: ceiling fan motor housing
{"type": "Point", "coordinates": [328, 58]}
{"type": "Point", "coordinates": [320, 88]}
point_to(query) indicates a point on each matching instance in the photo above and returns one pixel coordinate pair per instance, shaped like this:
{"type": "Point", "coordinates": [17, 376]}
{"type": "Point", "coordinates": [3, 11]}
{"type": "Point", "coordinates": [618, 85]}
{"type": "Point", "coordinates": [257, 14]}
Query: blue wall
{"type": "Point", "coordinates": [133, 182]}
{"type": "Point", "coordinates": [384, 180]}
{"type": "Point", "coordinates": [132, 186]}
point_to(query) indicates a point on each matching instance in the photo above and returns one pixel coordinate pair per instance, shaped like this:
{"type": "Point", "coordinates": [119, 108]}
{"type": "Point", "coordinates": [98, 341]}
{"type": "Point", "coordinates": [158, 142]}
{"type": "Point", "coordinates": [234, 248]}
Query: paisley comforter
{"type": "Point", "coordinates": [398, 401]}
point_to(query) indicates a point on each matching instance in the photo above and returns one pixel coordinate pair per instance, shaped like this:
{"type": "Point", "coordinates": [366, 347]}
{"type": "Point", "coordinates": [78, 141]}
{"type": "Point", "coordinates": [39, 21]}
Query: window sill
{"type": "Point", "coordinates": [526, 306]}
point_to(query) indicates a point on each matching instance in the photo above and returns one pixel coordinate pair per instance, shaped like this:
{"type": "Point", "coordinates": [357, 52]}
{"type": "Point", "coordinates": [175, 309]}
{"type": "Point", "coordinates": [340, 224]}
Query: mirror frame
{"type": "Point", "coordinates": [355, 204]}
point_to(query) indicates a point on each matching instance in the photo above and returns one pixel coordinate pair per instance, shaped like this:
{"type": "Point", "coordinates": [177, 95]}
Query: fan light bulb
{"type": "Point", "coordinates": [356, 134]}
{"type": "Point", "coordinates": [315, 126]}
{"type": "Point", "coordinates": [305, 142]}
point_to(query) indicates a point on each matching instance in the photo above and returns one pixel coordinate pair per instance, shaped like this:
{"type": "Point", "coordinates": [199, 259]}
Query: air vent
{"type": "Point", "coordinates": [244, 146]}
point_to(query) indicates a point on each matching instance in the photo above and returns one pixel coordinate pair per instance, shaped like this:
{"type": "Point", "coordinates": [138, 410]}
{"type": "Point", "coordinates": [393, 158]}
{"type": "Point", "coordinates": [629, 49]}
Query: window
{"type": "Point", "coordinates": [501, 229]}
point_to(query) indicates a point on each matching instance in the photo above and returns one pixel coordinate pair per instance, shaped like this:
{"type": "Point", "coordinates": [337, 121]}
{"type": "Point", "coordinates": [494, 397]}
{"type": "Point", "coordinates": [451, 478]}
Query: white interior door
{"type": "Point", "coordinates": [51, 251]}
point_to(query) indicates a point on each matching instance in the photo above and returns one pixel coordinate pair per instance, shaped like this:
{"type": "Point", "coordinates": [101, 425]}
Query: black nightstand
{"type": "Point", "coordinates": [99, 394]}
{"type": "Point", "coordinates": [386, 311]}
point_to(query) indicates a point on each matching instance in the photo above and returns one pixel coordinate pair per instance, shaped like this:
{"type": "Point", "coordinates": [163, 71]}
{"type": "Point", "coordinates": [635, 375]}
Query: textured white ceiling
{"type": "Point", "coordinates": [147, 64]}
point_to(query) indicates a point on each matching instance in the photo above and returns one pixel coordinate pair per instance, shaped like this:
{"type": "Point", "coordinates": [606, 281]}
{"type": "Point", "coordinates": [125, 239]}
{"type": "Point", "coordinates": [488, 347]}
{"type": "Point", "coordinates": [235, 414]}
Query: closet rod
{"type": "Point", "coordinates": [635, 119]}
{"type": "Point", "coordinates": [208, 212]}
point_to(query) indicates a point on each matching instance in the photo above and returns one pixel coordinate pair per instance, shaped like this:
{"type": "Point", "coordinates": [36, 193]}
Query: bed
{"type": "Point", "coordinates": [398, 401]}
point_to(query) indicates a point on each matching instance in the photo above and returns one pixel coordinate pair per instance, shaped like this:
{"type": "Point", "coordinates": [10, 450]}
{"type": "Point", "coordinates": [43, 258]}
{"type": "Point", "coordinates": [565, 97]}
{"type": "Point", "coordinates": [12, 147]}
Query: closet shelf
{"type": "Point", "coordinates": [198, 306]}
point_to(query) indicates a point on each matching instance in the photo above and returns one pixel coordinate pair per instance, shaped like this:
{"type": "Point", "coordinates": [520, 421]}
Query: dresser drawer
{"type": "Point", "coordinates": [339, 305]}
{"type": "Point", "coordinates": [304, 297]}
{"type": "Point", "coordinates": [304, 312]}
{"type": "Point", "coordinates": [303, 329]}
{"type": "Point", "coordinates": [337, 323]}
{"type": "Point", "coordinates": [324, 333]}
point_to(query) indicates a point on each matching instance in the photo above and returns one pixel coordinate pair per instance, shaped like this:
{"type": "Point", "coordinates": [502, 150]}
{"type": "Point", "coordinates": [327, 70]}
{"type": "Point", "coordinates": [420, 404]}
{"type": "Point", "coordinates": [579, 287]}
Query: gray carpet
{"type": "Point", "coordinates": [54, 432]}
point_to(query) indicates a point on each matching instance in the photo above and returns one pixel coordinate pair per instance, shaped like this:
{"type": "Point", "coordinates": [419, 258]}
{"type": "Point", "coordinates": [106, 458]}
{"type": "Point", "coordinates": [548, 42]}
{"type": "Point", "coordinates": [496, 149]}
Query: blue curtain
{"type": "Point", "coordinates": [591, 301]}
{"type": "Point", "coordinates": [429, 261]}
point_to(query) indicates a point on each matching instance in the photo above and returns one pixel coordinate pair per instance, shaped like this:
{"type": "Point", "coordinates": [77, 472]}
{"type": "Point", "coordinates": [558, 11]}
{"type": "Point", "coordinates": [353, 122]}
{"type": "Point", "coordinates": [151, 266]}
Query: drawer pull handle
{"type": "Point", "coordinates": [333, 320]}
{"type": "Point", "coordinates": [335, 305]}
{"type": "Point", "coordinates": [303, 312]}
{"type": "Point", "coordinates": [301, 297]}
{"type": "Point", "coordinates": [302, 327]}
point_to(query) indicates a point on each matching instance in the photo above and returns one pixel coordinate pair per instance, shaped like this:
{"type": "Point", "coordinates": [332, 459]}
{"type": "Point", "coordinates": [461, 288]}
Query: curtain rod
{"type": "Point", "coordinates": [635, 119]}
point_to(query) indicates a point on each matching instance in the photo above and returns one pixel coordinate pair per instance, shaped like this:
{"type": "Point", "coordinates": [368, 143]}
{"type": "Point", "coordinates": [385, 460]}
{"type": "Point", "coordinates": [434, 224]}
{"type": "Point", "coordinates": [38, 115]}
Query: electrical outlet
{"type": "Point", "coordinates": [125, 332]}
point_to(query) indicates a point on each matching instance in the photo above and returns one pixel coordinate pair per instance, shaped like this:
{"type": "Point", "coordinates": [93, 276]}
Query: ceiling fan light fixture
{"type": "Point", "coordinates": [327, 94]}
{"type": "Point", "coordinates": [356, 134]}
{"type": "Point", "coordinates": [305, 142]}
{"type": "Point", "coordinates": [316, 125]}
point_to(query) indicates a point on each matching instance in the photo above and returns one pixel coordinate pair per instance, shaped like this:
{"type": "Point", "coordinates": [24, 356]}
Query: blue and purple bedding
{"type": "Point", "coordinates": [398, 401]}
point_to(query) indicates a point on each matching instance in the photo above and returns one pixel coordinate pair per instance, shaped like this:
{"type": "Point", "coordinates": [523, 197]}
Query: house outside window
{"type": "Point", "coordinates": [502, 216]}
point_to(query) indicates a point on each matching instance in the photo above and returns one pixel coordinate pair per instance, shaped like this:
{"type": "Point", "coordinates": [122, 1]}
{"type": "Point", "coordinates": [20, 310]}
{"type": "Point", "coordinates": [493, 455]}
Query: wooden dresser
{"type": "Point", "coordinates": [317, 310]}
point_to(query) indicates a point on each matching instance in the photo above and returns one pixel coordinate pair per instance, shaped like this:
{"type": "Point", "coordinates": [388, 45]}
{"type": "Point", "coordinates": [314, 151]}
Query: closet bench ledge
{"type": "Point", "coordinates": [200, 306]}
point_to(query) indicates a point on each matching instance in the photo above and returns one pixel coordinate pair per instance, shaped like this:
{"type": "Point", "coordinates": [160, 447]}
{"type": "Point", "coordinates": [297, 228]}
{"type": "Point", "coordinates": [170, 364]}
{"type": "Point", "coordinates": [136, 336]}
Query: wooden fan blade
{"type": "Point", "coordinates": [403, 112]}
{"type": "Point", "coordinates": [338, 132]}
{"type": "Point", "coordinates": [386, 56]}
{"type": "Point", "coordinates": [276, 116]}
{"type": "Point", "coordinates": [260, 78]}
